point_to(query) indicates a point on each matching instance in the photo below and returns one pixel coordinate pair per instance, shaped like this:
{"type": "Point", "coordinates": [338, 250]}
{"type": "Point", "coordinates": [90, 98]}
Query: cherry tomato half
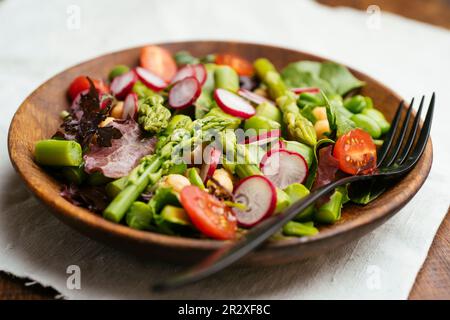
{"type": "Point", "coordinates": [81, 83]}
{"type": "Point", "coordinates": [356, 152]}
{"type": "Point", "coordinates": [159, 61]}
{"type": "Point", "coordinates": [242, 66]}
{"type": "Point", "coordinates": [209, 215]}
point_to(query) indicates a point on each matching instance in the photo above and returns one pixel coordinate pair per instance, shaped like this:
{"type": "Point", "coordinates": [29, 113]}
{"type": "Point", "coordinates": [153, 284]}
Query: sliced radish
{"type": "Point", "coordinates": [253, 97]}
{"type": "Point", "coordinates": [130, 106]}
{"type": "Point", "coordinates": [284, 167]}
{"type": "Point", "coordinates": [259, 196]}
{"type": "Point", "coordinates": [233, 104]}
{"type": "Point", "coordinates": [277, 145]}
{"type": "Point", "coordinates": [150, 79]}
{"type": "Point", "coordinates": [200, 73]}
{"type": "Point", "coordinates": [211, 161]}
{"type": "Point", "coordinates": [123, 84]}
{"type": "Point", "coordinates": [264, 138]}
{"type": "Point", "coordinates": [184, 93]}
{"type": "Point", "coordinates": [305, 89]}
{"type": "Point", "coordinates": [186, 71]}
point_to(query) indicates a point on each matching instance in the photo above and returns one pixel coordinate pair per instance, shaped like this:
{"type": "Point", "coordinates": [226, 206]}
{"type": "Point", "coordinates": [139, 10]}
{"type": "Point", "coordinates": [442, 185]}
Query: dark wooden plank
{"type": "Point", "coordinates": [13, 288]}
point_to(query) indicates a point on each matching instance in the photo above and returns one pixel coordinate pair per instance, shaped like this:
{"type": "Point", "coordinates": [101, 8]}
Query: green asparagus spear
{"type": "Point", "coordinates": [269, 111]}
{"type": "Point", "coordinates": [153, 116]}
{"type": "Point", "coordinates": [298, 127]}
{"type": "Point", "coordinates": [74, 175]}
{"type": "Point", "coordinates": [297, 191]}
{"type": "Point", "coordinates": [114, 187]}
{"type": "Point", "coordinates": [58, 153]}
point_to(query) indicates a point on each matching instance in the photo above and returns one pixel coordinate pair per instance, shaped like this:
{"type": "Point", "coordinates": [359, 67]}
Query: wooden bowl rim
{"type": "Point", "coordinates": [83, 216]}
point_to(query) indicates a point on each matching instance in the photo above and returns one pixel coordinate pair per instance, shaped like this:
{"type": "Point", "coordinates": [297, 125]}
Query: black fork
{"type": "Point", "coordinates": [396, 157]}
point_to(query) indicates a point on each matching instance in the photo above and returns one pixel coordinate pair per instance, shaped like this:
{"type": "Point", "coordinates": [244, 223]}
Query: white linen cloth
{"type": "Point", "coordinates": [41, 38]}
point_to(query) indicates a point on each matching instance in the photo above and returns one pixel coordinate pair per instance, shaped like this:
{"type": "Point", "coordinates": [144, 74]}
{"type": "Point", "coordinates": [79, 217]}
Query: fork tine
{"type": "Point", "coordinates": [390, 135]}
{"type": "Point", "coordinates": [401, 137]}
{"type": "Point", "coordinates": [423, 137]}
{"type": "Point", "coordinates": [412, 135]}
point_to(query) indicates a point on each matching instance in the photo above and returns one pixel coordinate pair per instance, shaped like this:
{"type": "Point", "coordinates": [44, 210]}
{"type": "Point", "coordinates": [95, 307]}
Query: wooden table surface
{"type": "Point", "coordinates": [433, 281]}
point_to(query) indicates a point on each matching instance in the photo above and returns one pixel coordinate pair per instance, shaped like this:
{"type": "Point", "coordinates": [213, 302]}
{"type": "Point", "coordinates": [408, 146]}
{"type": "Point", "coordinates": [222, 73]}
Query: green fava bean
{"type": "Point", "coordinates": [226, 78]}
{"type": "Point", "coordinates": [297, 191]}
{"type": "Point", "coordinates": [175, 215]}
{"type": "Point", "coordinates": [367, 124]}
{"type": "Point", "coordinates": [269, 111]}
{"type": "Point", "coordinates": [355, 104]}
{"type": "Point", "coordinates": [261, 123]}
{"type": "Point", "coordinates": [118, 71]}
{"type": "Point", "coordinates": [283, 201]}
{"type": "Point", "coordinates": [139, 216]}
{"type": "Point", "coordinates": [379, 118]}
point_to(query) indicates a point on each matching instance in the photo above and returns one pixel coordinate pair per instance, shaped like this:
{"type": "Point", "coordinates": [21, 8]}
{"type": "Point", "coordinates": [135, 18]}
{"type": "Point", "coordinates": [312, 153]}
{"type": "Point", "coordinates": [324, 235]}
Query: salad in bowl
{"type": "Point", "coordinates": [210, 146]}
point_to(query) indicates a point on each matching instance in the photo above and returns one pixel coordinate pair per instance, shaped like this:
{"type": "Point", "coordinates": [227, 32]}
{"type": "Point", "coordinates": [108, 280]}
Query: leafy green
{"type": "Point", "coordinates": [330, 77]}
{"type": "Point", "coordinates": [337, 117]}
{"type": "Point", "coordinates": [339, 77]}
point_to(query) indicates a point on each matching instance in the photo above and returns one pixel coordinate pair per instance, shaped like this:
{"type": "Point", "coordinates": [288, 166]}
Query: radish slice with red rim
{"type": "Point", "coordinates": [186, 71]}
{"type": "Point", "coordinates": [264, 138]}
{"type": "Point", "coordinates": [184, 93]}
{"type": "Point", "coordinates": [284, 167]}
{"type": "Point", "coordinates": [130, 106]}
{"type": "Point", "coordinates": [259, 196]}
{"type": "Point", "coordinates": [150, 79]}
{"type": "Point", "coordinates": [253, 97]}
{"type": "Point", "coordinates": [305, 89]}
{"type": "Point", "coordinates": [277, 145]}
{"type": "Point", "coordinates": [211, 161]}
{"type": "Point", "coordinates": [233, 104]}
{"type": "Point", "coordinates": [200, 73]}
{"type": "Point", "coordinates": [123, 84]}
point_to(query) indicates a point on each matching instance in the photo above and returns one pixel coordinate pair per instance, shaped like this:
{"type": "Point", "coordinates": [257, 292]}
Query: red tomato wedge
{"type": "Point", "coordinates": [356, 152]}
{"type": "Point", "coordinates": [209, 215]}
{"type": "Point", "coordinates": [242, 66]}
{"type": "Point", "coordinates": [159, 61]}
{"type": "Point", "coordinates": [81, 83]}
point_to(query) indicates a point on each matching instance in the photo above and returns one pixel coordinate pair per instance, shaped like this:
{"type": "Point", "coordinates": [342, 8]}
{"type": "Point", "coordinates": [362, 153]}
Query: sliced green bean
{"type": "Point", "coordinates": [58, 153]}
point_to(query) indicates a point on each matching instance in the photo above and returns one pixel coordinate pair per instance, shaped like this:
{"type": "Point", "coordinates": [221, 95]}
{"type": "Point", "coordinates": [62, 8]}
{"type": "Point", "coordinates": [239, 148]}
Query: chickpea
{"type": "Point", "coordinates": [175, 181]}
{"type": "Point", "coordinates": [320, 113]}
{"type": "Point", "coordinates": [117, 110]}
{"type": "Point", "coordinates": [105, 122]}
{"type": "Point", "coordinates": [223, 177]}
{"type": "Point", "coordinates": [321, 127]}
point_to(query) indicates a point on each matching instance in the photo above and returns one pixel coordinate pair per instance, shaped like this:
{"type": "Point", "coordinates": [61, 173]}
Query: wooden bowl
{"type": "Point", "coordinates": [38, 118]}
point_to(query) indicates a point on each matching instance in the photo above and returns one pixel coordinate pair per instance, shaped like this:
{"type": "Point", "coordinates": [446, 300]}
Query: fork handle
{"type": "Point", "coordinates": [233, 251]}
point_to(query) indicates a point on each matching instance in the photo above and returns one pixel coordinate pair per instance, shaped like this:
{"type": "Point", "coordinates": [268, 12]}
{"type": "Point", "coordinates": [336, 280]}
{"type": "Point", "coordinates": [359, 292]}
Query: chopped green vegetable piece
{"type": "Point", "coordinates": [270, 111]}
{"type": "Point", "coordinates": [176, 122]}
{"type": "Point", "coordinates": [226, 77]}
{"type": "Point", "coordinates": [297, 229]}
{"type": "Point", "coordinates": [379, 118]}
{"type": "Point", "coordinates": [283, 201]}
{"type": "Point", "coordinates": [216, 112]}
{"type": "Point", "coordinates": [261, 123]}
{"type": "Point", "coordinates": [297, 191]}
{"type": "Point", "coordinates": [115, 187]}
{"type": "Point", "coordinates": [118, 71]}
{"type": "Point", "coordinates": [194, 178]}
{"type": "Point", "coordinates": [139, 216]}
{"type": "Point", "coordinates": [184, 57]}
{"type": "Point", "coordinates": [355, 104]}
{"type": "Point", "coordinates": [142, 90]}
{"type": "Point", "coordinates": [330, 212]}
{"type": "Point", "coordinates": [58, 153]}
{"type": "Point", "coordinates": [175, 215]}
